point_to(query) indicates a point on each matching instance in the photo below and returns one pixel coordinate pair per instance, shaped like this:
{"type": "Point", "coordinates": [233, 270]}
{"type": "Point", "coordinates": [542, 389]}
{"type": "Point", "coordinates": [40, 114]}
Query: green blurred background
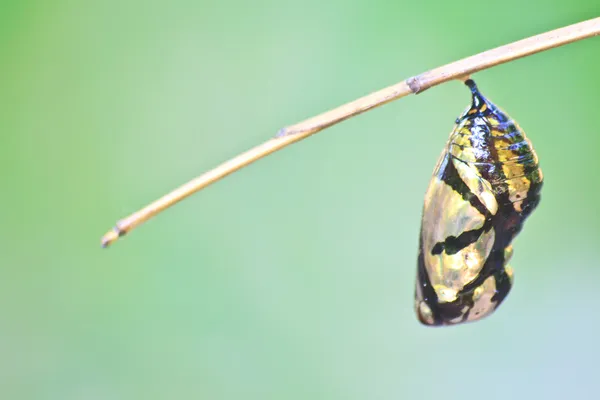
{"type": "Point", "coordinates": [294, 278]}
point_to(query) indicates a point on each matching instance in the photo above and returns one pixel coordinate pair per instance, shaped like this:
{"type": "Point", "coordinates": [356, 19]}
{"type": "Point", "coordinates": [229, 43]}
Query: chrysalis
{"type": "Point", "coordinates": [486, 183]}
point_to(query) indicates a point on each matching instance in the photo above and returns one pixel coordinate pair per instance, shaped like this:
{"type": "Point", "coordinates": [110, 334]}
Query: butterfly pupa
{"type": "Point", "coordinates": [486, 183]}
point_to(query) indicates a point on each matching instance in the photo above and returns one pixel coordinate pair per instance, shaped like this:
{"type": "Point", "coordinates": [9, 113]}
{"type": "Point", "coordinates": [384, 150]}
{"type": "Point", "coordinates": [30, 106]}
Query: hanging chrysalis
{"type": "Point", "coordinates": [484, 186]}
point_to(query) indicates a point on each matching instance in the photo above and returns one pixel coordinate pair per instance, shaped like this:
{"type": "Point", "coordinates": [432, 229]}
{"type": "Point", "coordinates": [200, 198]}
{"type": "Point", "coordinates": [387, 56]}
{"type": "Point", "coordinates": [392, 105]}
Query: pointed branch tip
{"type": "Point", "coordinates": [110, 237]}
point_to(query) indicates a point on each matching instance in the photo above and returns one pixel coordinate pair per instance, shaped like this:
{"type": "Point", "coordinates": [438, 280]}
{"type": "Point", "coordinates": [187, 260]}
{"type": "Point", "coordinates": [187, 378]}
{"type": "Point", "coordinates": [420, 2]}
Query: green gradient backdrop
{"type": "Point", "coordinates": [292, 279]}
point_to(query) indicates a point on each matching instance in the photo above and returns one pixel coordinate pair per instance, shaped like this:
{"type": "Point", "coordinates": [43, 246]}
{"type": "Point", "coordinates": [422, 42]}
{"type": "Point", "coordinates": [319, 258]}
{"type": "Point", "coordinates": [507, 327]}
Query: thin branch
{"type": "Point", "coordinates": [414, 85]}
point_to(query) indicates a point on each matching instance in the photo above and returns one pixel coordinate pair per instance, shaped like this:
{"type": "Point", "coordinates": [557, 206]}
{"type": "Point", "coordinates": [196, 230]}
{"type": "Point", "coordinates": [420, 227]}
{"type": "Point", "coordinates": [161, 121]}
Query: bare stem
{"type": "Point", "coordinates": [414, 85]}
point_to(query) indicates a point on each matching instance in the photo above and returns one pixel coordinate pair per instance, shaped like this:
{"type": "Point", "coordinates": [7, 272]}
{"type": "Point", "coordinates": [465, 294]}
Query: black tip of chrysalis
{"type": "Point", "coordinates": [481, 105]}
{"type": "Point", "coordinates": [478, 99]}
{"type": "Point", "coordinates": [472, 85]}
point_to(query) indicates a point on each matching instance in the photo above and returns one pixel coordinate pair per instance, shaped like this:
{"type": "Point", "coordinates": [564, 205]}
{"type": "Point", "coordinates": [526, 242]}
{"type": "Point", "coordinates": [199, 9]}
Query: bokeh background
{"type": "Point", "coordinates": [294, 278]}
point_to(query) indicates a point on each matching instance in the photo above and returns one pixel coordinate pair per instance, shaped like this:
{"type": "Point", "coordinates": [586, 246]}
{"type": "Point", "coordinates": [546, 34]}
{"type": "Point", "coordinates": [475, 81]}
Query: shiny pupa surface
{"type": "Point", "coordinates": [485, 184]}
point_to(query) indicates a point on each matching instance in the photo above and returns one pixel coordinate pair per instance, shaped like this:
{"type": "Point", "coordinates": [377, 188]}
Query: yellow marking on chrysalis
{"type": "Point", "coordinates": [477, 293]}
{"type": "Point", "coordinates": [508, 253]}
{"type": "Point", "coordinates": [535, 156]}
{"type": "Point", "coordinates": [482, 299]}
{"type": "Point", "coordinates": [518, 205]}
{"type": "Point", "coordinates": [510, 272]}
{"type": "Point", "coordinates": [493, 122]}
{"type": "Point", "coordinates": [513, 170]}
{"type": "Point", "coordinates": [461, 151]}
{"type": "Point", "coordinates": [537, 176]}
{"type": "Point", "coordinates": [473, 261]}
{"type": "Point", "coordinates": [518, 184]}
{"type": "Point", "coordinates": [445, 294]}
{"type": "Point", "coordinates": [516, 136]}
{"type": "Point", "coordinates": [460, 318]}
{"type": "Point", "coordinates": [479, 186]}
{"type": "Point", "coordinates": [506, 155]}
{"type": "Point", "coordinates": [460, 136]}
{"type": "Point", "coordinates": [425, 312]}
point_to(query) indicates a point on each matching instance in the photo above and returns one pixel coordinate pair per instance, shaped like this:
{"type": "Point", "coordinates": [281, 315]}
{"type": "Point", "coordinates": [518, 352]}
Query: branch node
{"type": "Point", "coordinates": [414, 84]}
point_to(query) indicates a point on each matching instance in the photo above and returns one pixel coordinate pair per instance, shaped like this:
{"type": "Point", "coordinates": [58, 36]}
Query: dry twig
{"type": "Point", "coordinates": [414, 85]}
